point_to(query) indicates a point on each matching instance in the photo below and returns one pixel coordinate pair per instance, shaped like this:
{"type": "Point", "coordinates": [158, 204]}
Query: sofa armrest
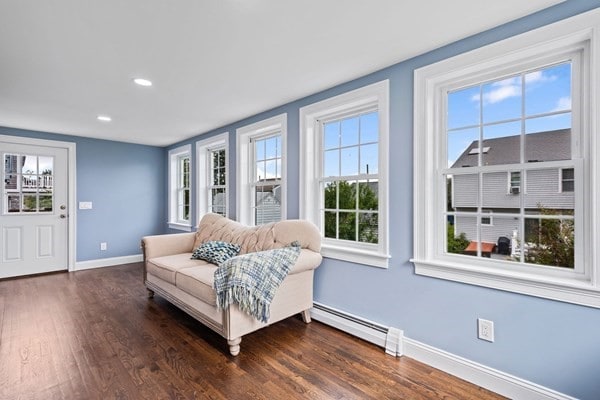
{"type": "Point", "coordinates": [165, 245]}
{"type": "Point", "coordinates": [307, 260]}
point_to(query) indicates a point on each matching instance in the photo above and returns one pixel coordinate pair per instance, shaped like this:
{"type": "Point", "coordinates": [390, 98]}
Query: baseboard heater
{"type": "Point", "coordinates": [387, 337]}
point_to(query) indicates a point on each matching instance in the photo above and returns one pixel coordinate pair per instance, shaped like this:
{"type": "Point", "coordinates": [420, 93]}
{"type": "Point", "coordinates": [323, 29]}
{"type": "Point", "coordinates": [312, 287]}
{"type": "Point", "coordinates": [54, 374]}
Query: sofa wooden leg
{"type": "Point", "coordinates": [150, 293]}
{"type": "Point", "coordinates": [306, 316]}
{"type": "Point", "coordinates": [234, 346]}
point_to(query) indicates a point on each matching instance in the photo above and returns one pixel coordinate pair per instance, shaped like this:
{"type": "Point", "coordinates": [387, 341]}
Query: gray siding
{"type": "Point", "coordinates": [465, 188]}
{"type": "Point", "coordinates": [542, 188]}
{"type": "Point", "coordinates": [539, 187]}
{"type": "Point", "coordinates": [489, 233]}
{"type": "Point", "coordinates": [466, 225]}
{"type": "Point", "coordinates": [495, 192]}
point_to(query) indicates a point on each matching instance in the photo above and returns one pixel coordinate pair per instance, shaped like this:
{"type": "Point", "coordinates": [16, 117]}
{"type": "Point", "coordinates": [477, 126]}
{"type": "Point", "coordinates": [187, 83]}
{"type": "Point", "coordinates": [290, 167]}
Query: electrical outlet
{"type": "Point", "coordinates": [103, 246]}
{"type": "Point", "coordinates": [485, 329]}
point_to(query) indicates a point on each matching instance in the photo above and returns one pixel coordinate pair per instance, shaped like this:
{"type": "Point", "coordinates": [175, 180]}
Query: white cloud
{"type": "Point", "coordinates": [501, 90]}
{"type": "Point", "coordinates": [511, 87]}
{"type": "Point", "coordinates": [501, 93]}
{"type": "Point", "coordinates": [539, 77]}
{"type": "Point", "coordinates": [564, 103]}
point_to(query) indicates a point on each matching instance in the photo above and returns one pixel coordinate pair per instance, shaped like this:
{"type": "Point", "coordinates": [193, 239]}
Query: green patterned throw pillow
{"type": "Point", "coordinates": [216, 251]}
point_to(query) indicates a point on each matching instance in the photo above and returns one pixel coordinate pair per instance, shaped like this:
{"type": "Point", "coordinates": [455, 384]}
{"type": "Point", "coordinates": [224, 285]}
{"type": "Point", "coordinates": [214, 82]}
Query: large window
{"type": "Point", "coordinates": [502, 134]}
{"type": "Point", "coordinates": [261, 189]}
{"type": "Point", "coordinates": [344, 173]}
{"type": "Point", "coordinates": [180, 176]}
{"type": "Point", "coordinates": [213, 175]}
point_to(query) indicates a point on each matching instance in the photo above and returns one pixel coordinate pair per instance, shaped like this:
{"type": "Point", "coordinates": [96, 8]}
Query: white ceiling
{"type": "Point", "coordinates": [213, 62]}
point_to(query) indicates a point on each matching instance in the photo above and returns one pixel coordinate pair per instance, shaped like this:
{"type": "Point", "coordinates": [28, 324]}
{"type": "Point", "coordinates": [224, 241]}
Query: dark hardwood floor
{"type": "Point", "coordinates": [95, 335]}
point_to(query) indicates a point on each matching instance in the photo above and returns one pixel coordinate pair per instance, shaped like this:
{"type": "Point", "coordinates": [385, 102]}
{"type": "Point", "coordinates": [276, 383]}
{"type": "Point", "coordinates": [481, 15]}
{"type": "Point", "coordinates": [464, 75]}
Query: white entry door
{"type": "Point", "coordinates": [33, 210]}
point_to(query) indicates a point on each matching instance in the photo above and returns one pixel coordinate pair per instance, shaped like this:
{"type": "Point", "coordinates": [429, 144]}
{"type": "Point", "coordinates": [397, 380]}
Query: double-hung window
{"type": "Point", "coordinates": [344, 173]}
{"type": "Point", "coordinates": [213, 175]}
{"type": "Point", "coordinates": [503, 133]}
{"type": "Point", "coordinates": [261, 183]}
{"type": "Point", "coordinates": [180, 177]}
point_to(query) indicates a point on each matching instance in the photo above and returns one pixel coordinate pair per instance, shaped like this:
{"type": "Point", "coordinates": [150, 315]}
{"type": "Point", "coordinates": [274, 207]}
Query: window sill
{"type": "Point", "coordinates": [180, 227]}
{"type": "Point", "coordinates": [358, 256]}
{"type": "Point", "coordinates": [570, 290]}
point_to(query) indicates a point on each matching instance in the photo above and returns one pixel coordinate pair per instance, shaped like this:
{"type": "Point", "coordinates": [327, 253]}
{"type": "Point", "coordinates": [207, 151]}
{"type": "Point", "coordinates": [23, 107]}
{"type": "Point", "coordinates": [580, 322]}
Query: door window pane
{"type": "Point", "coordinates": [13, 203]}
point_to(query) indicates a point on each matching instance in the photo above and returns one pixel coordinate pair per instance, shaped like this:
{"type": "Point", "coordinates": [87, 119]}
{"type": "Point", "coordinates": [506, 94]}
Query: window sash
{"type": "Point", "coordinates": [206, 151]}
{"type": "Point", "coordinates": [211, 187]}
{"type": "Point", "coordinates": [183, 188]}
{"type": "Point", "coordinates": [357, 178]}
{"type": "Point", "coordinates": [257, 183]}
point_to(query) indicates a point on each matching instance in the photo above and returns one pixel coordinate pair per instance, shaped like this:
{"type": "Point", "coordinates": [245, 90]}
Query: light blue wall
{"type": "Point", "coordinates": [553, 344]}
{"type": "Point", "coordinates": [125, 182]}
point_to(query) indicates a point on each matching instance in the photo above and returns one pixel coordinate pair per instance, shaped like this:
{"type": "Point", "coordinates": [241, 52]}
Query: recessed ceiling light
{"type": "Point", "coordinates": [142, 82]}
{"type": "Point", "coordinates": [104, 118]}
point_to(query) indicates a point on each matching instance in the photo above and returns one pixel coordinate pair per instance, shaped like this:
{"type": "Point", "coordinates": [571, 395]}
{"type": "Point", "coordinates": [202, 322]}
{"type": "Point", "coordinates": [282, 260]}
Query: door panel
{"type": "Point", "coordinates": [45, 241]}
{"type": "Point", "coordinates": [12, 243]}
{"type": "Point", "coordinates": [34, 230]}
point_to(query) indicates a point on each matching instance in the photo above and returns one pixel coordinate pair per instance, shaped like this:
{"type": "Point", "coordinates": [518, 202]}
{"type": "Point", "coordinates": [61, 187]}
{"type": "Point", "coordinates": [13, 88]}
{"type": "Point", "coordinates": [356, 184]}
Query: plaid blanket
{"type": "Point", "coordinates": [250, 280]}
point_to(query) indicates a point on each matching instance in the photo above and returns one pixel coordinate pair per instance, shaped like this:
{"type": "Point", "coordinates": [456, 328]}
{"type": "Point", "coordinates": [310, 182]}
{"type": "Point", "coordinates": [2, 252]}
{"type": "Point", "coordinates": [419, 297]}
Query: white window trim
{"type": "Point", "coordinates": [174, 155]}
{"type": "Point", "coordinates": [429, 81]}
{"type": "Point", "coordinates": [376, 94]}
{"type": "Point", "coordinates": [203, 167]}
{"type": "Point", "coordinates": [244, 172]}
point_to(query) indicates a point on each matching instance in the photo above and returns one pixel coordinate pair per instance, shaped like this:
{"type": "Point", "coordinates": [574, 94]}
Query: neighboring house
{"type": "Point", "coordinates": [268, 204]}
{"type": "Point", "coordinates": [503, 191]}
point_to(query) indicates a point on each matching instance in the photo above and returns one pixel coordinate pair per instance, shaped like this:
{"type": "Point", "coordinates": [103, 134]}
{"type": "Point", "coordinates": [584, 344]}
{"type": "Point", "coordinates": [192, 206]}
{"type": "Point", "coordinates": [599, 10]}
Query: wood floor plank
{"type": "Point", "coordinates": [95, 335]}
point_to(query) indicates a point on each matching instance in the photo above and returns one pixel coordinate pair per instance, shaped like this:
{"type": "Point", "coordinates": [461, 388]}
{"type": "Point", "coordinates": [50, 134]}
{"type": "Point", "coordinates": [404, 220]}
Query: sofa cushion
{"type": "Point", "coordinates": [166, 267]}
{"type": "Point", "coordinates": [216, 251]}
{"type": "Point", "coordinates": [198, 281]}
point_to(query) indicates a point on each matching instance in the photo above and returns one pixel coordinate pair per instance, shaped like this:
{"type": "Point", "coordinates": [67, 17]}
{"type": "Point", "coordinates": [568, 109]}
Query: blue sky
{"type": "Point", "coordinates": [354, 142]}
{"type": "Point", "coordinates": [541, 99]}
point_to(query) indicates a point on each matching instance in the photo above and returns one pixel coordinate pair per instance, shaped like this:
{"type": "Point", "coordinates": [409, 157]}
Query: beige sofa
{"type": "Point", "coordinates": [170, 272]}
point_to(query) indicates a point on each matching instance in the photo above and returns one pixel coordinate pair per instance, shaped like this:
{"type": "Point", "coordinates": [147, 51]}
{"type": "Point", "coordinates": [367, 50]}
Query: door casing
{"type": "Point", "coordinates": [71, 190]}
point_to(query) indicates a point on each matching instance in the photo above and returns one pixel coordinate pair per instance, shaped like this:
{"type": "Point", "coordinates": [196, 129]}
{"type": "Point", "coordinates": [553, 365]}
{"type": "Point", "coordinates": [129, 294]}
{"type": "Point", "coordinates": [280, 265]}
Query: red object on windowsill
{"type": "Point", "coordinates": [486, 248]}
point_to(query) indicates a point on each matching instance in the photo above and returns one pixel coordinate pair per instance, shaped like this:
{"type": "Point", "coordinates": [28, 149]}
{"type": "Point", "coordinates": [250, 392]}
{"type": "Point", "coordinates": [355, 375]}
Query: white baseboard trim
{"type": "Point", "coordinates": [346, 325]}
{"type": "Point", "coordinates": [481, 375]}
{"type": "Point", "coordinates": [107, 262]}
{"type": "Point", "coordinates": [478, 374]}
